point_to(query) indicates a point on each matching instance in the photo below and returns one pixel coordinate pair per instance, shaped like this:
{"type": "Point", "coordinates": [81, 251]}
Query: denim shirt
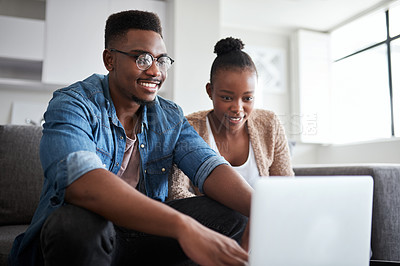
{"type": "Point", "coordinates": [82, 133]}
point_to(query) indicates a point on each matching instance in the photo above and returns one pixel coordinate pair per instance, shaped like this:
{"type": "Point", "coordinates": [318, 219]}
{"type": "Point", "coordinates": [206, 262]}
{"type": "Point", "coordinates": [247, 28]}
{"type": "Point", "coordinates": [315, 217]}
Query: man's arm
{"type": "Point", "coordinates": [226, 186]}
{"type": "Point", "coordinates": [104, 193]}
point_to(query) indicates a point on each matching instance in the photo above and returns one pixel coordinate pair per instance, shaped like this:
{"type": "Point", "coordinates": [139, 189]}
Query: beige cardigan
{"type": "Point", "coordinates": [267, 137]}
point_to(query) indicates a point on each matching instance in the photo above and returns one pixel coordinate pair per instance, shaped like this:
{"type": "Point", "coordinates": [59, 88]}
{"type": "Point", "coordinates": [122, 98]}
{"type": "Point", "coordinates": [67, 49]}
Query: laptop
{"type": "Point", "coordinates": [316, 220]}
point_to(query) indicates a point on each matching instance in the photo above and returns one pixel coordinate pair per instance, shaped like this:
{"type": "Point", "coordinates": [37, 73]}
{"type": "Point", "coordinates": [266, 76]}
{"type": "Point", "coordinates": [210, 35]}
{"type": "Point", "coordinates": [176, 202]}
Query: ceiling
{"type": "Point", "coordinates": [265, 15]}
{"type": "Point", "coordinates": [287, 15]}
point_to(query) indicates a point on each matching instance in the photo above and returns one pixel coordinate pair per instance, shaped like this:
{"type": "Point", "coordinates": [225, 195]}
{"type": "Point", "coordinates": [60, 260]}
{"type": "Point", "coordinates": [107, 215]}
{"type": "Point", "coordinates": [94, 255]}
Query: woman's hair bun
{"type": "Point", "coordinates": [228, 45]}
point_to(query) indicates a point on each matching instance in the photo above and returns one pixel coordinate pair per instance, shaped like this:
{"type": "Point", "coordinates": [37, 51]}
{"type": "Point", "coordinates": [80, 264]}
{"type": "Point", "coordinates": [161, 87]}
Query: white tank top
{"type": "Point", "coordinates": [248, 170]}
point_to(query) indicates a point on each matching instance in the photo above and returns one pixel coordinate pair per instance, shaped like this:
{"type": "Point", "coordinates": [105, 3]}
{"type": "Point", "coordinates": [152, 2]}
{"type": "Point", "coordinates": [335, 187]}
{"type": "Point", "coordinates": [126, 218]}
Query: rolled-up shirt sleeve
{"type": "Point", "coordinates": [206, 168]}
{"type": "Point", "coordinates": [79, 163]}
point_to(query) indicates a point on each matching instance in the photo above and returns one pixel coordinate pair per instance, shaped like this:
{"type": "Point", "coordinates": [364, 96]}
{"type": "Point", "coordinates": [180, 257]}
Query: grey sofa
{"type": "Point", "coordinates": [21, 179]}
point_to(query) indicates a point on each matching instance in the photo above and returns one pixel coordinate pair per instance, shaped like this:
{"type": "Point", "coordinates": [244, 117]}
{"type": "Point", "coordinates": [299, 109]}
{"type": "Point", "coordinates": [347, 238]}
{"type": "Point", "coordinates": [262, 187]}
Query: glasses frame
{"type": "Point", "coordinates": [136, 56]}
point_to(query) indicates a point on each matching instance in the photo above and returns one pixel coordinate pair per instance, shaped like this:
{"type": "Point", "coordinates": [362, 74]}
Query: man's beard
{"type": "Point", "coordinates": [143, 102]}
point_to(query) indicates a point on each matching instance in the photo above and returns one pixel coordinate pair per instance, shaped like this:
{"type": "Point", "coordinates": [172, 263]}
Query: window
{"type": "Point", "coordinates": [394, 21]}
{"type": "Point", "coordinates": [361, 107]}
{"type": "Point", "coordinates": [365, 93]}
{"type": "Point", "coordinates": [395, 49]}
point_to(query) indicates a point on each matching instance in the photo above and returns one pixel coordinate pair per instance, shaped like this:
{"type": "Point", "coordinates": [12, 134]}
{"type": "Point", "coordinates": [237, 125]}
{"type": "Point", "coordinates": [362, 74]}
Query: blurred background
{"type": "Point", "coordinates": [328, 68]}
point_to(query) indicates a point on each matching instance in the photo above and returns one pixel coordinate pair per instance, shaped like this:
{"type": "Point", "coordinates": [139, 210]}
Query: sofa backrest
{"type": "Point", "coordinates": [21, 175]}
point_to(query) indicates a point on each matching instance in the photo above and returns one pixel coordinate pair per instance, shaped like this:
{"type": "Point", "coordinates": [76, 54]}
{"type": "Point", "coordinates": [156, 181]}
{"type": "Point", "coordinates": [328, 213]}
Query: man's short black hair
{"type": "Point", "coordinates": [118, 24]}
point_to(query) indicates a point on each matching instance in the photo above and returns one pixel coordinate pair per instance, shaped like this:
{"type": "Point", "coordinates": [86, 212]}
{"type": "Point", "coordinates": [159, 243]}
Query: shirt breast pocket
{"type": "Point", "coordinates": [160, 166]}
{"type": "Point", "coordinates": [156, 177]}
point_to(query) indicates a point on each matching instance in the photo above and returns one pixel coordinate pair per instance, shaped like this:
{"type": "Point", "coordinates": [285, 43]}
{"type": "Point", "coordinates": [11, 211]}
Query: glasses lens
{"type": "Point", "coordinates": [144, 61]}
{"type": "Point", "coordinates": [164, 62]}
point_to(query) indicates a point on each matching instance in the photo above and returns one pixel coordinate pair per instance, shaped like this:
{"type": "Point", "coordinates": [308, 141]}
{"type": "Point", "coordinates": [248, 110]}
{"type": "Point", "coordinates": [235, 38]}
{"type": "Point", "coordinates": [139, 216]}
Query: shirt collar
{"type": "Point", "coordinates": [112, 113]}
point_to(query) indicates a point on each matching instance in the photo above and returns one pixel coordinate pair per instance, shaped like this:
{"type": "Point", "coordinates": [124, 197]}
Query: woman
{"type": "Point", "coordinates": [253, 141]}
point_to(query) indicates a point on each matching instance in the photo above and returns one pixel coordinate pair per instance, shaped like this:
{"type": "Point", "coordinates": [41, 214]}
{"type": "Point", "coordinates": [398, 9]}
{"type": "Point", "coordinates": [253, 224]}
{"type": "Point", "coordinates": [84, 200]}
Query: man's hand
{"type": "Point", "coordinates": [207, 247]}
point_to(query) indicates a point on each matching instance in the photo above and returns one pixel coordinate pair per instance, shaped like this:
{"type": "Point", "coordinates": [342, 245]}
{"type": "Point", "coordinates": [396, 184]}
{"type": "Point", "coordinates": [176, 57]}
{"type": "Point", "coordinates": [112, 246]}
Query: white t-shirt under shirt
{"type": "Point", "coordinates": [130, 166]}
{"type": "Point", "coordinates": [129, 170]}
{"type": "Point", "coordinates": [248, 170]}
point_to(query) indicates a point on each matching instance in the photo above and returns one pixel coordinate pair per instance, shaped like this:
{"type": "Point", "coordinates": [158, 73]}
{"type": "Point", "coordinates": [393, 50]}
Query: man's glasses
{"type": "Point", "coordinates": [145, 60]}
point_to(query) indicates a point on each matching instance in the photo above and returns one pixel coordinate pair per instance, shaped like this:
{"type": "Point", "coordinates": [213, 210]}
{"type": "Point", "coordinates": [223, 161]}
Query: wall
{"type": "Point", "coordinates": [379, 151]}
{"type": "Point", "coordinates": [195, 28]}
{"type": "Point", "coordinates": [8, 97]}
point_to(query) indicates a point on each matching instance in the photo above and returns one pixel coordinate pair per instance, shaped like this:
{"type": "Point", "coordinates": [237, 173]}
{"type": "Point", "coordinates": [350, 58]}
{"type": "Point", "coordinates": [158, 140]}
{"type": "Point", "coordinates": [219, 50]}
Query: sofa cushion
{"type": "Point", "coordinates": [21, 174]}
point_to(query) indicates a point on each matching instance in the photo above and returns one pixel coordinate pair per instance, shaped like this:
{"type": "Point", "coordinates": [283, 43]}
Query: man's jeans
{"type": "Point", "coordinates": [76, 236]}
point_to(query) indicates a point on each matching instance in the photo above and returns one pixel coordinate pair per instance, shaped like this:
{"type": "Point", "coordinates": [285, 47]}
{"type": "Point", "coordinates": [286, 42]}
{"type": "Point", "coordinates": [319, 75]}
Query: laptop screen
{"type": "Point", "coordinates": [311, 221]}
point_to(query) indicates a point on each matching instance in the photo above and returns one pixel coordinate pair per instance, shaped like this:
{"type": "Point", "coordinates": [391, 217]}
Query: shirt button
{"type": "Point", "coordinates": [54, 201]}
{"type": "Point", "coordinates": [145, 171]}
{"type": "Point", "coordinates": [142, 145]}
{"type": "Point", "coordinates": [121, 137]}
{"type": "Point", "coordinates": [163, 169]}
{"type": "Point", "coordinates": [117, 164]}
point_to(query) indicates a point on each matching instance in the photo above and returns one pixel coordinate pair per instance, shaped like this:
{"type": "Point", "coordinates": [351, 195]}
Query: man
{"type": "Point", "coordinates": [107, 148]}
